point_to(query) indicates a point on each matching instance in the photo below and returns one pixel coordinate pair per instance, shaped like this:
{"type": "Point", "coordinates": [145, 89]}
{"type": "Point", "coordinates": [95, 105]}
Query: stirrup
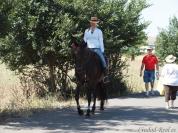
{"type": "Point", "coordinates": [106, 79]}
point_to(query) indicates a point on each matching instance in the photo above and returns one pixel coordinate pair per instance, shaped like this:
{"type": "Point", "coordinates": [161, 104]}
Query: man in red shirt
{"type": "Point", "coordinates": [149, 64]}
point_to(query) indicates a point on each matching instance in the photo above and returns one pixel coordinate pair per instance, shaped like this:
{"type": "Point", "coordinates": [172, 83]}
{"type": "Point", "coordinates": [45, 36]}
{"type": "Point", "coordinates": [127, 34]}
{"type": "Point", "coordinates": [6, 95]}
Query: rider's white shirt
{"type": "Point", "coordinates": [95, 39]}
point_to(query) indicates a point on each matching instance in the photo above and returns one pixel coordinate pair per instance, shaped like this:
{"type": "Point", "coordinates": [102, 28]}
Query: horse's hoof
{"type": "Point", "coordinates": [80, 112]}
{"type": "Point", "coordinates": [101, 108]}
{"type": "Point", "coordinates": [93, 112]}
{"type": "Point", "coordinates": [88, 113]}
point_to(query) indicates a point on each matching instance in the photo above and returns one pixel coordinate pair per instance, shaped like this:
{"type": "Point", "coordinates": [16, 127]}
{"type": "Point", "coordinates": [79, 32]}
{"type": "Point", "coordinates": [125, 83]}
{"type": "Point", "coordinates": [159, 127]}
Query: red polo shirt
{"type": "Point", "coordinates": [150, 61]}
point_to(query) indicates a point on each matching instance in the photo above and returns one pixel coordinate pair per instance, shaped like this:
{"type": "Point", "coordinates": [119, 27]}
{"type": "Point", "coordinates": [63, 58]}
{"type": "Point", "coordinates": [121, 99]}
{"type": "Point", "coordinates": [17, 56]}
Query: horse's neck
{"type": "Point", "coordinates": [82, 57]}
{"type": "Point", "coordinates": [86, 55]}
{"type": "Point", "coordinates": [89, 64]}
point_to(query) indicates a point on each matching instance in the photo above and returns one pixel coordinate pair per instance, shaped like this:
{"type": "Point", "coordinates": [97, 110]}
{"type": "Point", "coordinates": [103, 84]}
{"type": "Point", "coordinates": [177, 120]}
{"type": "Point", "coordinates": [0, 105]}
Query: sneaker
{"type": "Point", "coordinates": [147, 93]}
{"type": "Point", "coordinates": [152, 93]}
{"type": "Point", "coordinates": [172, 107]}
{"type": "Point", "coordinates": [167, 107]}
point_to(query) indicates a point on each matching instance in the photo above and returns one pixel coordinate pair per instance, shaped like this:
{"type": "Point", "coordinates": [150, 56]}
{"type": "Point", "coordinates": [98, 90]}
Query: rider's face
{"type": "Point", "coordinates": [93, 24]}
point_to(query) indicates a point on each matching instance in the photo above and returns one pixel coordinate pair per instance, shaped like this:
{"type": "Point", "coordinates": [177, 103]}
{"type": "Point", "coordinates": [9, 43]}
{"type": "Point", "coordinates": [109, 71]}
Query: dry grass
{"type": "Point", "coordinates": [8, 83]}
{"type": "Point", "coordinates": [13, 100]}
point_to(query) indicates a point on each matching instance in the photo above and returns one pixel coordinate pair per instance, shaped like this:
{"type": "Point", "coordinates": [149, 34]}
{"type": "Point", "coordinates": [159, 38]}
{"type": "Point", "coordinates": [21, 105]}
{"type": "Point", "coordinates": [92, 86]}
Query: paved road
{"type": "Point", "coordinates": [122, 115]}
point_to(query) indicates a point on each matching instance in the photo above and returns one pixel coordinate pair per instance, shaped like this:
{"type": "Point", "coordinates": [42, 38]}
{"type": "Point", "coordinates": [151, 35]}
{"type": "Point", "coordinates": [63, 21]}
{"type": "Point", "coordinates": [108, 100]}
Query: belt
{"type": "Point", "coordinates": [149, 70]}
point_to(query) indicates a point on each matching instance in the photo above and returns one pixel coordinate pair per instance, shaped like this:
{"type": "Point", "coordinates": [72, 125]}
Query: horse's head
{"type": "Point", "coordinates": [80, 52]}
{"type": "Point", "coordinates": [78, 48]}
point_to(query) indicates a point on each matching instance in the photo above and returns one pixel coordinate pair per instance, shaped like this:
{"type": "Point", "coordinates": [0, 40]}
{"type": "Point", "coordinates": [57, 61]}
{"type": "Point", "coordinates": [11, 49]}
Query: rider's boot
{"type": "Point", "coordinates": [106, 78]}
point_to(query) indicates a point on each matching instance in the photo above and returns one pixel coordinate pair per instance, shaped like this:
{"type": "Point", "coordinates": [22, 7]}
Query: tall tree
{"type": "Point", "coordinates": [5, 8]}
{"type": "Point", "coordinates": [167, 40]}
{"type": "Point", "coordinates": [41, 32]}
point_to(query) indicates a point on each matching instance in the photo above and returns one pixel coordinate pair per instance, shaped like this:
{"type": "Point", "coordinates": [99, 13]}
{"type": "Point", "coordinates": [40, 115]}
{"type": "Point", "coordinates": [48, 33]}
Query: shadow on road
{"type": "Point", "coordinates": [68, 120]}
{"type": "Point", "coordinates": [139, 95]}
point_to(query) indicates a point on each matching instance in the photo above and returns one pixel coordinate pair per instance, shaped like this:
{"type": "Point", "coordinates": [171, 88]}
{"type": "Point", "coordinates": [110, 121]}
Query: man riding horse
{"type": "Point", "coordinates": [93, 37]}
{"type": "Point", "coordinates": [90, 66]}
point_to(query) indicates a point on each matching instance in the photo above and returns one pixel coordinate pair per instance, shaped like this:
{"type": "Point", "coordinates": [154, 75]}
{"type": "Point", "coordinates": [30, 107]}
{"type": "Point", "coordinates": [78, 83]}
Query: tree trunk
{"type": "Point", "coordinates": [132, 57]}
{"type": "Point", "coordinates": [64, 81]}
{"type": "Point", "coordinates": [52, 86]}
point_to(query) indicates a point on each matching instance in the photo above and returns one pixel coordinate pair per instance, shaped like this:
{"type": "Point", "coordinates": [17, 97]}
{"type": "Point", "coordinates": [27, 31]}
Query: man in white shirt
{"type": "Point", "coordinates": [169, 77]}
{"type": "Point", "coordinates": [93, 36]}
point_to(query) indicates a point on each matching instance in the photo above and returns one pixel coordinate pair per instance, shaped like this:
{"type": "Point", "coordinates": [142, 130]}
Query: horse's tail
{"type": "Point", "coordinates": [102, 92]}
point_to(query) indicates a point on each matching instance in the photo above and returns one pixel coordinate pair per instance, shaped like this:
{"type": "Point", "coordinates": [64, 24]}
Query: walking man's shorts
{"type": "Point", "coordinates": [149, 76]}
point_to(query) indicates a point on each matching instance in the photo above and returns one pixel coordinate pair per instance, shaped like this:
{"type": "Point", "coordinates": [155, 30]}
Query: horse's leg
{"type": "Point", "coordinates": [102, 104]}
{"type": "Point", "coordinates": [94, 100]}
{"type": "Point", "coordinates": [89, 100]}
{"type": "Point", "coordinates": [102, 91]}
{"type": "Point", "coordinates": [77, 92]}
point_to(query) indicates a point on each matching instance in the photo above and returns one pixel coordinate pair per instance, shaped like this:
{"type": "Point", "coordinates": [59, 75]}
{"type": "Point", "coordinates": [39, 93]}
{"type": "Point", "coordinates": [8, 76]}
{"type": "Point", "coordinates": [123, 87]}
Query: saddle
{"type": "Point", "coordinates": [104, 70]}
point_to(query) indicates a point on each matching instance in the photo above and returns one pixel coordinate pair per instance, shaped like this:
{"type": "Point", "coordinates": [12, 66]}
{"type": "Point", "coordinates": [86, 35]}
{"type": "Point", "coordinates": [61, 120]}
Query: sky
{"type": "Point", "coordinates": [159, 14]}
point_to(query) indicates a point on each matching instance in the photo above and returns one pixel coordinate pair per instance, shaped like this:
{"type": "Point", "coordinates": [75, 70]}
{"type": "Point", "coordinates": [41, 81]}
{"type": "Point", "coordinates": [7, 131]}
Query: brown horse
{"type": "Point", "coordinates": [88, 69]}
